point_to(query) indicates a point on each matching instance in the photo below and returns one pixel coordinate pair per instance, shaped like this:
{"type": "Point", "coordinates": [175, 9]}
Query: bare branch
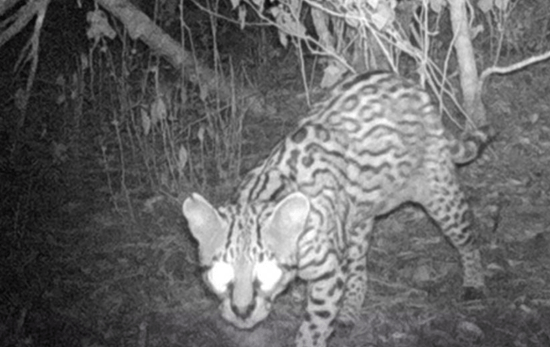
{"type": "Point", "coordinates": [141, 27]}
{"type": "Point", "coordinates": [6, 5]}
{"type": "Point", "coordinates": [32, 47]}
{"type": "Point", "coordinates": [514, 67]}
{"type": "Point", "coordinates": [15, 23]}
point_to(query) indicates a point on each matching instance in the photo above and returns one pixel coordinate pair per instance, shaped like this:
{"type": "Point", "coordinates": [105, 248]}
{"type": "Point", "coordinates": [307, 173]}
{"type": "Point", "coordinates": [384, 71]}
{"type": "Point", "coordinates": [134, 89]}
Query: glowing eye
{"type": "Point", "coordinates": [269, 274]}
{"type": "Point", "coordinates": [220, 275]}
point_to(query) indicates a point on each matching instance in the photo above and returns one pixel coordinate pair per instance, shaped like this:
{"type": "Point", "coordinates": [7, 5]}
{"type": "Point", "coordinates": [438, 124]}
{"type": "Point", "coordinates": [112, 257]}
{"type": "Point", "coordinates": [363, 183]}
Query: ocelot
{"type": "Point", "coordinates": [307, 210]}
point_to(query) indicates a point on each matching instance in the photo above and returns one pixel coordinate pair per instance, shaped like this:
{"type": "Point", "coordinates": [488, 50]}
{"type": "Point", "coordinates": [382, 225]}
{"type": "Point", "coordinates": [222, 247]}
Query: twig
{"type": "Point", "coordinates": [514, 67]}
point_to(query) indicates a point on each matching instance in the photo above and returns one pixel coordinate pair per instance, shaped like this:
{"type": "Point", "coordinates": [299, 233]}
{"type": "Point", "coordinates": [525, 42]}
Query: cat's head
{"type": "Point", "coordinates": [248, 251]}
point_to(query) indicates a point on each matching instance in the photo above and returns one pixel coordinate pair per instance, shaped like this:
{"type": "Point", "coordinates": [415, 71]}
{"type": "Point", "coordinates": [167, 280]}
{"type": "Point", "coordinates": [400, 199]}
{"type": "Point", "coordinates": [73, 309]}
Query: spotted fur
{"type": "Point", "coordinates": [307, 210]}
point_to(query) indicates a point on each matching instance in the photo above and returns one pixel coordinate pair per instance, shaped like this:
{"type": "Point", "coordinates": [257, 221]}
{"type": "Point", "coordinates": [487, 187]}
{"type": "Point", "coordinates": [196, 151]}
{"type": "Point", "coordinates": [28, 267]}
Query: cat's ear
{"type": "Point", "coordinates": [285, 225]}
{"type": "Point", "coordinates": [206, 226]}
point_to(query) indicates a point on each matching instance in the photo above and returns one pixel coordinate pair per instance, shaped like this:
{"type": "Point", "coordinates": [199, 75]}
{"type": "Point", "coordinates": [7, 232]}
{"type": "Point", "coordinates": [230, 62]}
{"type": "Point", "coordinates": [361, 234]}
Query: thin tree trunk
{"type": "Point", "coordinates": [469, 79]}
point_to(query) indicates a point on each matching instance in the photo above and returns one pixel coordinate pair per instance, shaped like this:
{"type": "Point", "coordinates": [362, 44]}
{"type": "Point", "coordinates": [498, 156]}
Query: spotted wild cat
{"type": "Point", "coordinates": [307, 210]}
